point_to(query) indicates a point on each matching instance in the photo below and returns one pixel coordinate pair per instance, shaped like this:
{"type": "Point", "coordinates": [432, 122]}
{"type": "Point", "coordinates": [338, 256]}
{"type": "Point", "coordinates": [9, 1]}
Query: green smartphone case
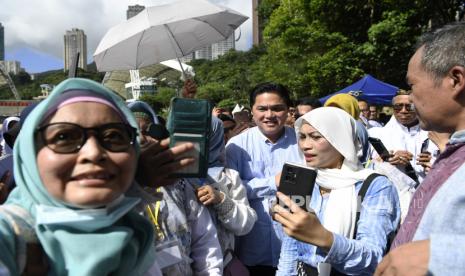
{"type": "Point", "coordinates": [189, 120]}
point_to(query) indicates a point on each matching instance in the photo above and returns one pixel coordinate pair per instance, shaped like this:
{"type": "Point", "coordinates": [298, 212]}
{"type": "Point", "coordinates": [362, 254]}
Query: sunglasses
{"type": "Point", "coordinates": [69, 137]}
{"type": "Point", "coordinates": [409, 107]}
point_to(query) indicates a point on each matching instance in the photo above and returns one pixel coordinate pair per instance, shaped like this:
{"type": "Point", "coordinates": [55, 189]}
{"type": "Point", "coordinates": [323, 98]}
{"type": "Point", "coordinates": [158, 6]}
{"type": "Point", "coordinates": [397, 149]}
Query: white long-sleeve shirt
{"type": "Point", "coordinates": [397, 137]}
{"type": "Point", "coordinates": [233, 216]}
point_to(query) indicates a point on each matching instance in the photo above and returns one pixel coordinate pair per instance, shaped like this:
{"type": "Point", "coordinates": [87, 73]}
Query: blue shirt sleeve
{"type": "Point", "coordinates": [251, 172]}
{"type": "Point", "coordinates": [288, 258]}
{"type": "Point", "coordinates": [380, 215]}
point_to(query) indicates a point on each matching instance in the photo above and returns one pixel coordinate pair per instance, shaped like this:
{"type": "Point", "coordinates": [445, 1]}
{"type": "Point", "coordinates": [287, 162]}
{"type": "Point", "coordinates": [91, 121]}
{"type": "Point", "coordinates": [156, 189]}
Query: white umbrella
{"type": "Point", "coordinates": [179, 66]}
{"type": "Point", "coordinates": [165, 32]}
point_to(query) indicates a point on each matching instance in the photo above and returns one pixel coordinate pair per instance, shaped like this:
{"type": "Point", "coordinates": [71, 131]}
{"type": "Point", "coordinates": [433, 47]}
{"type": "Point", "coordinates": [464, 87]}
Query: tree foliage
{"type": "Point", "coordinates": [312, 46]}
{"type": "Point", "coordinates": [320, 46]}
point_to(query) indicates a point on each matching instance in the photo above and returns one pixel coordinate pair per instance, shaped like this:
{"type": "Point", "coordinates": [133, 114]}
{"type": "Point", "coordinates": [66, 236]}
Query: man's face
{"type": "Point", "coordinates": [373, 113]}
{"type": "Point", "coordinates": [433, 102]}
{"type": "Point", "coordinates": [270, 114]}
{"type": "Point", "coordinates": [404, 111]}
{"type": "Point", "coordinates": [364, 109]}
{"type": "Point", "coordinates": [302, 109]}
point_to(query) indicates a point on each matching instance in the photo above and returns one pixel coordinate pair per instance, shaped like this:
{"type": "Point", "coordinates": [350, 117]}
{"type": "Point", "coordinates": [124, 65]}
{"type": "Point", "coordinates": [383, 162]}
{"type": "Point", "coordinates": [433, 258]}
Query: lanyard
{"type": "Point", "coordinates": [153, 215]}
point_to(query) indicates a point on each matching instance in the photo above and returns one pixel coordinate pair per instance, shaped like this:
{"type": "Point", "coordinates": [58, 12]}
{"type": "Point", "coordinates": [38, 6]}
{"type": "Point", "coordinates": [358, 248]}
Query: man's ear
{"type": "Point", "coordinates": [457, 75]}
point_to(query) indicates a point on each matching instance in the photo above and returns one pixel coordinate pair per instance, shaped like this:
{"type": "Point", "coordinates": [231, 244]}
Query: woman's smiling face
{"type": "Point", "coordinates": [93, 176]}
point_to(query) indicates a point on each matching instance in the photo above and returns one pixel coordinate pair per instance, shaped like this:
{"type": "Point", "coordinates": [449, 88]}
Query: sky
{"type": "Point", "coordinates": [34, 29]}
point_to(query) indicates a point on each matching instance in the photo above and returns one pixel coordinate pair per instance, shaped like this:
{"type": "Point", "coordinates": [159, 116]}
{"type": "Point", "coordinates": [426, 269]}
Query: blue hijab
{"type": "Point", "coordinates": [117, 241]}
{"type": "Point", "coordinates": [216, 154]}
{"type": "Point", "coordinates": [140, 106]}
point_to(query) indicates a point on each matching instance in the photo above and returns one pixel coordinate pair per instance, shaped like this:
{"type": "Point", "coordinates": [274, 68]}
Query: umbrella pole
{"type": "Point", "coordinates": [174, 43]}
{"type": "Point", "coordinates": [183, 73]}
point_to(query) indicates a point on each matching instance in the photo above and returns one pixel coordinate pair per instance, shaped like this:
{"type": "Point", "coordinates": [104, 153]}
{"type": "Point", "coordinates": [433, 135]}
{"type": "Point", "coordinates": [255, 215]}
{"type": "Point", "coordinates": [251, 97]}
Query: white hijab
{"type": "Point", "coordinates": [339, 129]}
{"type": "Point", "coordinates": [5, 127]}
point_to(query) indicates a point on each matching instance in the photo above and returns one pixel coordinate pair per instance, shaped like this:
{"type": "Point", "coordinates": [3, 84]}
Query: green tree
{"type": "Point", "coordinates": [320, 46]}
{"type": "Point", "coordinates": [213, 91]}
{"type": "Point", "coordinates": [160, 101]}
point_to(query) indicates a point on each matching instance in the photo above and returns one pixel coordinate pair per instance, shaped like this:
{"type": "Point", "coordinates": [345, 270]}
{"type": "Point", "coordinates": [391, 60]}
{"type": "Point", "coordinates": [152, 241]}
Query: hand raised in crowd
{"type": "Point", "coordinates": [400, 157]}
{"type": "Point", "coordinates": [157, 161]}
{"type": "Point", "coordinates": [424, 159]}
{"type": "Point", "coordinates": [189, 89]}
{"type": "Point", "coordinates": [4, 190]}
{"type": "Point", "coordinates": [301, 225]}
{"type": "Point", "coordinates": [409, 259]}
{"type": "Point", "coordinates": [208, 195]}
{"type": "Point", "coordinates": [216, 111]}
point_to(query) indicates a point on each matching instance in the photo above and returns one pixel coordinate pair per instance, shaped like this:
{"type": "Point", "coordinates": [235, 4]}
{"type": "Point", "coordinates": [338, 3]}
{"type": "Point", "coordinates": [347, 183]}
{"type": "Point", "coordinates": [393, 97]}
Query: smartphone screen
{"type": "Point", "coordinates": [297, 182]}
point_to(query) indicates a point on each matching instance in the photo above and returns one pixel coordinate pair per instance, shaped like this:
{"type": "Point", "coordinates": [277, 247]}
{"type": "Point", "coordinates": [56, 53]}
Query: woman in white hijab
{"type": "Point", "coordinates": [6, 125]}
{"type": "Point", "coordinates": [329, 240]}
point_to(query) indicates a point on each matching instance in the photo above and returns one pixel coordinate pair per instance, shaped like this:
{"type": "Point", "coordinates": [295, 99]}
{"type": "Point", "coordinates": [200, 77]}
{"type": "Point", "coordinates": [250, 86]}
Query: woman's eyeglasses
{"type": "Point", "coordinates": [409, 107]}
{"type": "Point", "coordinates": [69, 137]}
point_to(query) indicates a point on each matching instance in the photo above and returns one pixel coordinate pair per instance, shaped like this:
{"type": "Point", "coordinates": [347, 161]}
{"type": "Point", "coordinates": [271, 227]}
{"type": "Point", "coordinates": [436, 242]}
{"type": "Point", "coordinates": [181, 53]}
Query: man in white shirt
{"type": "Point", "coordinates": [365, 115]}
{"type": "Point", "coordinates": [402, 136]}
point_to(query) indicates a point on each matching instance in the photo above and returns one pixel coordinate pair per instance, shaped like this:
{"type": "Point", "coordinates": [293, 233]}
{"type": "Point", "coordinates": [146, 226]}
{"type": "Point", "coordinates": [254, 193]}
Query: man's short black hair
{"type": "Point", "coordinates": [270, 87]}
{"type": "Point", "coordinates": [309, 100]}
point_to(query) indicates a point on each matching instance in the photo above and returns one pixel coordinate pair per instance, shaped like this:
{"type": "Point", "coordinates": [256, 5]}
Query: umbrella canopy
{"type": "Point", "coordinates": [165, 32]}
{"type": "Point", "coordinates": [179, 66]}
{"type": "Point", "coordinates": [369, 89]}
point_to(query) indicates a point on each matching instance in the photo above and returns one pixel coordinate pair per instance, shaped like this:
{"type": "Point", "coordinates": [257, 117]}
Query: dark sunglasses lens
{"type": "Point", "coordinates": [116, 137]}
{"type": "Point", "coordinates": [69, 138]}
{"type": "Point", "coordinates": [63, 138]}
{"type": "Point", "coordinates": [399, 107]}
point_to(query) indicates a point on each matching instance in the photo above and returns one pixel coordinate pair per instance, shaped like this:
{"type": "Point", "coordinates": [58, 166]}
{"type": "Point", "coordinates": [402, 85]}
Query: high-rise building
{"type": "Point", "coordinates": [75, 41]}
{"type": "Point", "coordinates": [12, 66]}
{"type": "Point", "coordinates": [204, 53]}
{"type": "Point", "coordinates": [134, 10]}
{"type": "Point", "coordinates": [220, 48]}
{"type": "Point", "coordinates": [2, 42]}
{"type": "Point", "coordinates": [188, 58]}
{"type": "Point", "coordinates": [256, 28]}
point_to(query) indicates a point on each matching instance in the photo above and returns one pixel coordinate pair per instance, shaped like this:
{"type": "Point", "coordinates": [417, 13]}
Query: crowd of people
{"type": "Point", "coordinates": [89, 187]}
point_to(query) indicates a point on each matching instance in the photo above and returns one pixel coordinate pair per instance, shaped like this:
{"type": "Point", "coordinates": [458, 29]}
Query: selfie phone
{"type": "Point", "coordinates": [297, 182]}
{"type": "Point", "coordinates": [379, 147]}
{"type": "Point", "coordinates": [189, 120]}
{"type": "Point", "coordinates": [424, 145]}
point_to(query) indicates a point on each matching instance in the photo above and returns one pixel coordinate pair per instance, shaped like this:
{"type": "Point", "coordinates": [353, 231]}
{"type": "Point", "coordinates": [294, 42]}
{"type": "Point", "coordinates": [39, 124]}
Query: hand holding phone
{"type": "Point", "coordinates": [189, 120]}
{"type": "Point", "coordinates": [380, 148]}
{"type": "Point", "coordinates": [424, 145]}
{"type": "Point", "coordinates": [297, 182]}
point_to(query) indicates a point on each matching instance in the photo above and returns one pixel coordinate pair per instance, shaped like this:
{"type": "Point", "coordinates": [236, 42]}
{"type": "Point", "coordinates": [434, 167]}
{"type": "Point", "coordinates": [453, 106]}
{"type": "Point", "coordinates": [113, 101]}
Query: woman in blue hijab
{"type": "Point", "coordinates": [74, 160]}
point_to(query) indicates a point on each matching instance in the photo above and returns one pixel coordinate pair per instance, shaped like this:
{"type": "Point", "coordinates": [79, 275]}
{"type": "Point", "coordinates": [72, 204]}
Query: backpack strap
{"type": "Point", "coordinates": [361, 195]}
